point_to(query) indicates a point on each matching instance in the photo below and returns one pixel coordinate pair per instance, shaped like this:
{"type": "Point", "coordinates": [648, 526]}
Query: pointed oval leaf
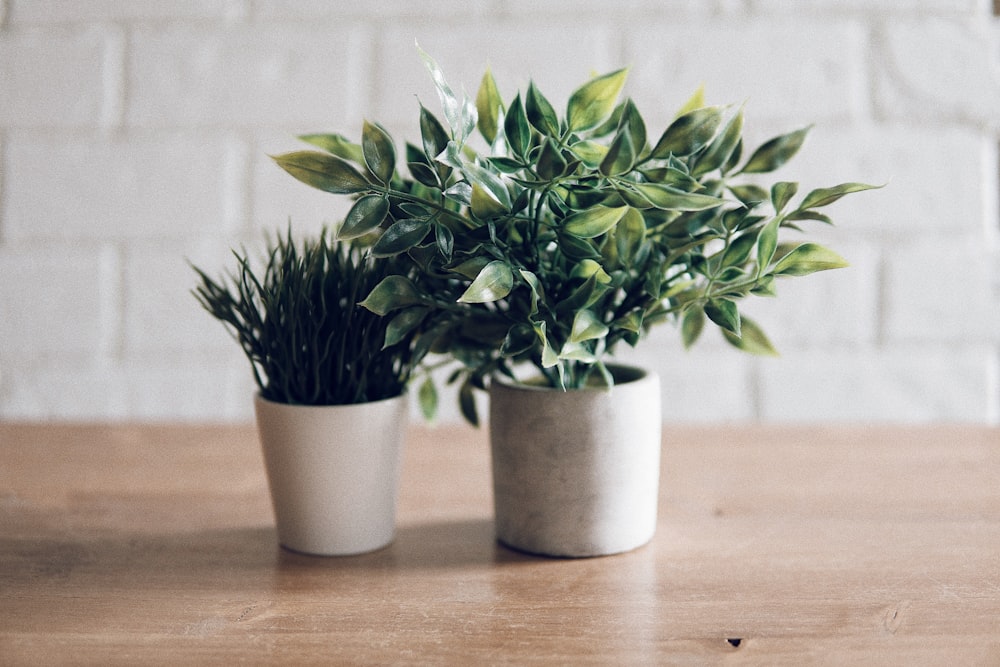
{"type": "Point", "coordinates": [403, 324]}
{"type": "Point", "coordinates": [808, 258]}
{"type": "Point", "coordinates": [323, 172]}
{"type": "Point", "coordinates": [551, 164]}
{"type": "Point", "coordinates": [775, 152]}
{"type": "Point", "coordinates": [427, 397]}
{"type": "Point", "coordinates": [587, 326]}
{"type": "Point", "coordinates": [718, 154]}
{"type": "Point", "coordinates": [432, 134]}
{"type": "Point", "coordinates": [491, 183]}
{"type": "Point", "coordinates": [593, 221]}
{"type": "Point", "coordinates": [335, 144]}
{"type": "Point", "coordinates": [767, 243]}
{"type": "Point", "coordinates": [689, 133]}
{"type": "Point", "coordinates": [488, 106]}
{"type": "Point", "coordinates": [593, 102]}
{"type": "Point", "coordinates": [483, 205]}
{"type": "Point", "coordinates": [380, 156]}
{"type": "Point", "coordinates": [752, 339]}
{"type": "Point", "coordinates": [494, 282]}
{"type": "Point", "coordinates": [724, 313]}
{"type": "Point", "coordinates": [667, 198]}
{"type": "Point", "coordinates": [516, 128]}
{"type": "Point", "coordinates": [400, 237]}
{"type": "Point", "coordinates": [591, 153]}
{"type": "Point", "coordinates": [540, 112]}
{"type": "Point", "coordinates": [392, 293]}
{"type": "Point", "coordinates": [825, 196]}
{"type": "Point", "coordinates": [782, 193]}
{"type": "Point", "coordinates": [365, 216]}
{"type": "Point", "coordinates": [692, 326]}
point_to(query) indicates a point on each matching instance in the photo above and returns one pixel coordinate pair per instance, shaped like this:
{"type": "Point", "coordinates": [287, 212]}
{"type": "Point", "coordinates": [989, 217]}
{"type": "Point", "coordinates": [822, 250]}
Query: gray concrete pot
{"type": "Point", "coordinates": [576, 473]}
{"type": "Point", "coordinates": [333, 472]}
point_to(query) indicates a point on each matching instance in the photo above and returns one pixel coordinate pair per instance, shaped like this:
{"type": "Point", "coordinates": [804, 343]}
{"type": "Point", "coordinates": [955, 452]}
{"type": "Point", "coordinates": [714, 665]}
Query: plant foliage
{"type": "Point", "coordinates": [299, 323]}
{"type": "Point", "coordinates": [563, 235]}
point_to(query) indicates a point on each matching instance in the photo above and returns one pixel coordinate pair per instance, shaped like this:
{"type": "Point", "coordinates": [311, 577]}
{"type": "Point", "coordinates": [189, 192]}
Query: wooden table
{"type": "Point", "coordinates": [139, 544]}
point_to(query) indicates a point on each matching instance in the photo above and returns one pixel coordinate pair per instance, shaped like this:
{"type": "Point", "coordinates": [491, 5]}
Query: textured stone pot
{"type": "Point", "coordinates": [333, 472]}
{"type": "Point", "coordinates": [576, 473]}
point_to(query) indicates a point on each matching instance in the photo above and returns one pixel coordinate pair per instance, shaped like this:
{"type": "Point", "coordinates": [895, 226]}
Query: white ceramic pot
{"type": "Point", "coordinates": [333, 472]}
{"type": "Point", "coordinates": [576, 473]}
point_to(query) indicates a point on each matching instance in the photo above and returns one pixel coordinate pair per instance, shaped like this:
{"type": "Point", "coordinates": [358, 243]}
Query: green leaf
{"type": "Point", "coordinates": [767, 243]}
{"type": "Point", "coordinates": [488, 106]}
{"type": "Point", "coordinates": [808, 258]}
{"type": "Point", "coordinates": [593, 102]}
{"type": "Point", "coordinates": [593, 221]}
{"type": "Point", "coordinates": [380, 156]}
{"type": "Point", "coordinates": [782, 193]}
{"type": "Point", "coordinates": [696, 101]}
{"type": "Point", "coordinates": [722, 147]}
{"type": "Point", "coordinates": [454, 112]}
{"type": "Point", "coordinates": [591, 153]}
{"type": "Point", "coordinates": [550, 164]}
{"type": "Point", "coordinates": [724, 313]}
{"type": "Point", "coordinates": [825, 196]}
{"type": "Point", "coordinates": [427, 397]}
{"type": "Point", "coordinates": [516, 128]}
{"type": "Point", "coordinates": [739, 249]}
{"type": "Point", "coordinates": [775, 152]}
{"type": "Point", "coordinates": [667, 198]}
{"type": "Point", "coordinates": [493, 184]}
{"type": "Point", "coordinates": [749, 194]}
{"type": "Point", "coordinates": [432, 134]}
{"type": "Point", "coordinates": [629, 236]}
{"type": "Point", "coordinates": [364, 217]}
{"type": "Point", "coordinates": [337, 145]}
{"type": "Point", "coordinates": [323, 172]}
{"type": "Point", "coordinates": [392, 293]}
{"type": "Point", "coordinates": [493, 283]}
{"type": "Point", "coordinates": [692, 326]}
{"type": "Point", "coordinates": [400, 237]}
{"type": "Point", "coordinates": [540, 112]}
{"type": "Point", "coordinates": [587, 268]}
{"type": "Point", "coordinates": [620, 158]}
{"type": "Point", "coordinates": [403, 324]}
{"type": "Point", "coordinates": [752, 339]}
{"type": "Point", "coordinates": [689, 133]}
{"type": "Point", "coordinates": [636, 127]}
{"type": "Point", "coordinates": [587, 326]}
{"type": "Point", "coordinates": [467, 403]}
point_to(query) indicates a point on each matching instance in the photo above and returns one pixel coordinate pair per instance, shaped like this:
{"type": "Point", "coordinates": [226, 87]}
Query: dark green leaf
{"type": "Point", "coordinates": [380, 156]}
{"type": "Point", "coordinates": [689, 133]}
{"type": "Point", "coordinates": [551, 163]}
{"type": "Point", "coordinates": [432, 134]}
{"type": "Point", "coordinates": [724, 313]}
{"type": "Point", "coordinates": [621, 155]}
{"type": "Point", "coordinates": [825, 196]}
{"type": "Point", "coordinates": [365, 216]}
{"type": "Point", "coordinates": [517, 129]}
{"type": "Point", "coordinates": [540, 112]}
{"type": "Point", "coordinates": [722, 148]}
{"type": "Point", "coordinates": [401, 325]}
{"type": "Point", "coordinates": [767, 243]}
{"type": "Point", "coordinates": [392, 293]}
{"type": "Point", "coordinates": [400, 237]}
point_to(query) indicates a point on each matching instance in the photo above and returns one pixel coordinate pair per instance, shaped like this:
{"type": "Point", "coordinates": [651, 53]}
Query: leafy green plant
{"type": "Point", "coordinates": [562, 236]}
{"type": "Point", "coordinates": [299, 325]}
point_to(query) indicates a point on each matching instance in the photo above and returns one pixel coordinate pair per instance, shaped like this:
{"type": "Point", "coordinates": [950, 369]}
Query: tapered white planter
{"type": "Point", "coordinates": [333, 472]}
{"type": "Point", "coordinates": [576, 473]}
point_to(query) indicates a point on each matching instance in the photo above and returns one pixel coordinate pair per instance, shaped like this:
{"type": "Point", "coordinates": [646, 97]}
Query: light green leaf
{"type": "Point", "coordinates": [574, 351]}
{"type": "Point", "coordinates": [808, 258]}
{"type": "Point", "coordinates": [494, 282]}
{"type": "Point", "coordinates": [722, 148]}
{"type": "Point", "coordinates": [667, 198]}
{"type": "Point", "coordinates": [365, 216]}
{"type": "Point", "coordinates": [825, 196]}
{"type": "Point", "coordinates": [775, 152]}
{"type": "Point", "coordinates": [629, 236]}
{"type": "Point", "coordinates": [337, 145]}
{"type": "Point", "coordinates": [593, 221]}
{"type": "Point", "coordinates": [587, 268]}
{"type": "Point", "coordinates": [621, 155]}
{"type": "Point", "coordinates": [450, 104]}
{"type": "Point", "coordinates": [392, 293]}
{"type": "Point", "coordinates": [323, 172]}
{"type": "Point", "coordinates": [591, 153]}
{"type": "Point", "coordinates": [493, 184]}
{"type": "Point", "coordinates": [379, 154]}
{"type": "Point", "coordinates": [689, 133]}
{"type": "Point", "coordinates": [400, 237]}
{"type": "Point", "coordinates": [488, 105]}
{"type": "Point", "coordinates": [752, 339]}
{"type": "Point", "coordinates": [587, 326]}
{"type": "Point", "coordinates": [696, 101]}
{"type": "Point", "coordinates": [692, 326]}
{"type": "Point", "coordinates": [427, 397]}
{"type": "Point", "coordinates": [767, 243]}
{"type": "Point", "coordinates": [782, 193]}
{"type": "Point", "coordinates": [593, 102]}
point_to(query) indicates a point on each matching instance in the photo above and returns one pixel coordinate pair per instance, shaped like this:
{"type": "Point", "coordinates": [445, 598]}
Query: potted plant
{"type": "Point", "coordinates": [553, 241]}
{"type": "Point", "coordinates": [331, 403]}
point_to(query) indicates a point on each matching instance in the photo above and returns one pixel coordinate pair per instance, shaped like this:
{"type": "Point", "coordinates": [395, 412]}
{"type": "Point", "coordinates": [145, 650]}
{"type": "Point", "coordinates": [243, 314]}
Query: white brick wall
{"type": "Point", "coordinates": [134, 136]}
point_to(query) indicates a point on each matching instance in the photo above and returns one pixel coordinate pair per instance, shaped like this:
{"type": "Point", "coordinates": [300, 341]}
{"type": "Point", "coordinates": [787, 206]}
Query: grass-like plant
{"type": "Point", "coordinates": [299, 325]}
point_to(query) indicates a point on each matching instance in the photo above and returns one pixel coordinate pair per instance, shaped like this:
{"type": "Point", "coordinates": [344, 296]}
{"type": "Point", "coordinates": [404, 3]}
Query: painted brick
{"type": "Point", "coordinates": [941, 291]}
{"type": "Point", "coordinates": [749, 61]}
{"type": "Point", "coordinates": [73, 11]}
{"type": "Point", "coordinates": [147, 186]}
{"type": "Point", "coordinates": [904, 383]}
{"type": "Point", "coordinates": [53, 303]}
{"type": "Point", "coordinates": [876, 8]}
{"type": "Point", "coordinates": [282, 75]}
{"type": "Point", "coordinates": [52, 87]}
{"type": "Point", "coordinates": [187, 389]}
{"type": "Point", "coordinates": [78, 390]}
{"type": "Point", "coordinates": [916, 71]}
{"type": "Point", "coordinates": [379, 9]}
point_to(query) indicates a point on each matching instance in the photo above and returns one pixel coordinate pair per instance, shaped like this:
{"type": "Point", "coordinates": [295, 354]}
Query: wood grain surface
{"type": "Point", "coordinates": [777, 545]}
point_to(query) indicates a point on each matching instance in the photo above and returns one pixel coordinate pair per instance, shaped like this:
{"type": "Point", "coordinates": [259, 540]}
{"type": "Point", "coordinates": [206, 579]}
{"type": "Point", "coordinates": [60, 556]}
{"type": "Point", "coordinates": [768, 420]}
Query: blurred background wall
{"type": "Point", "coordinates": [134, 137]}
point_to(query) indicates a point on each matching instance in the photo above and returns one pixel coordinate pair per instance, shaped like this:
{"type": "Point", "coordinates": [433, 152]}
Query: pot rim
{"type": "Point", "coordinates": [258, 396]}
{"type": "Point", "coordinates": [624, 375]}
